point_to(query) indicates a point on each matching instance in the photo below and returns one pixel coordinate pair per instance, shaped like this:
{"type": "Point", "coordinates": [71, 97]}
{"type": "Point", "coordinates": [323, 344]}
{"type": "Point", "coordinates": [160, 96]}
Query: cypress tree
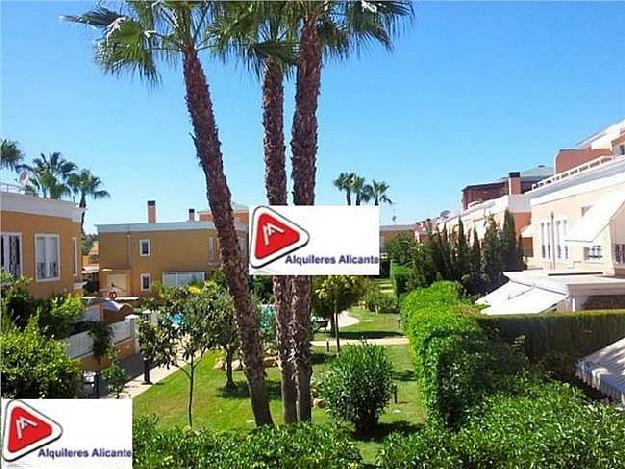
{"type": "Point", "coordinates": [474, 281]}
{"type": "Point", "coordinates": [511, 248]}
{"type": "Point", "coordinates": [492, 254]}
{"type": "Point", "coordinates": [462, 263]}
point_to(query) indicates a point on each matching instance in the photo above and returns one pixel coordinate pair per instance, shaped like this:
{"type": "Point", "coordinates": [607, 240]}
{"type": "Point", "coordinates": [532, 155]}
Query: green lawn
{"type": "Point", "coordinates": [385, 286]}
{"type": "Point", "coordinates": [371, 326]}
{"type": "Point", "coordinates": [215, 410]}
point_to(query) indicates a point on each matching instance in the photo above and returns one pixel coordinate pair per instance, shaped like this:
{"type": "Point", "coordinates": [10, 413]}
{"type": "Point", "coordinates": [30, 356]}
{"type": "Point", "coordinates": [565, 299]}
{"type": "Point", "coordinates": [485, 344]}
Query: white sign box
{"type": "Point", "coordinates": [67, 433]}
{"type": "Point", "coordinates": [314, 240]}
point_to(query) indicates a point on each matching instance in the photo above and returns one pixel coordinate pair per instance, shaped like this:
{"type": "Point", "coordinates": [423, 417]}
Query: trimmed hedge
{"type": "Point", "coordinates": [558, 340]}
{"type": "Point", "coordinates": [455, 362]}
{"type": "Point", "coordinates": [400, 278]}
{"type": "Point", "coordinates": [303, 446]}
{"type": "Point", "coordinates": [498, 411]}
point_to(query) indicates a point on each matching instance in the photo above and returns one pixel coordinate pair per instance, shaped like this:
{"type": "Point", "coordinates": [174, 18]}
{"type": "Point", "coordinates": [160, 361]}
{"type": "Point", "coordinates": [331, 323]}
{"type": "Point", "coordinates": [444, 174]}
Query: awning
{"type": "Point", "coordinates": [528, 231]}
{"type": "Point", "coordinates": [533, 301]}
{"type": "Point", "coordinates": [596, 219]}
{"type": "Point", "coordinates": [604, 370]}
{"type": "Point", "coordinates": [503, 293]}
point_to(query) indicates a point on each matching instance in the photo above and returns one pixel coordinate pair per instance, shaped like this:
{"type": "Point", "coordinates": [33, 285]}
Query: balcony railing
{"type": "Point", "coordinates": [13, 188]}
{"type": "Point", "coordinates": [576, 170]}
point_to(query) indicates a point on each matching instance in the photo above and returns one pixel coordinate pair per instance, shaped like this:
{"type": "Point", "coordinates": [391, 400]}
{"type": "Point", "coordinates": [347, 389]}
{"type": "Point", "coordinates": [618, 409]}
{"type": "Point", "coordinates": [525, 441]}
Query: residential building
{"type": "Point", "coordinates": [40, 238]}
{"type": "Point", "coordinates": [388, 232]}
{"type": "Point", "coordinates": [578, 233]}
{"type": "Point", "coordinates": [133, 257]}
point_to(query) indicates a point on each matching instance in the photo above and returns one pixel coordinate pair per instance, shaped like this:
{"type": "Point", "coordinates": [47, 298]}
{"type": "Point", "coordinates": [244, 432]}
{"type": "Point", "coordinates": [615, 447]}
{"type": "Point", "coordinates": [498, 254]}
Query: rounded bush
{"type": "Point", "coordinates": [358, 384]}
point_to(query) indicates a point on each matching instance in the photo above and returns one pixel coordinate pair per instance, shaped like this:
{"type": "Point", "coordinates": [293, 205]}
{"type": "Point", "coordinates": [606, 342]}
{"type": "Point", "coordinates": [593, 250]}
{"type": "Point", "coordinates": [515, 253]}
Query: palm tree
{"type": "Point", "coordinates": [359, 187]}
{"type": "Point", "coordinates": [135, 40]}
{"type": "Point", "coordinates": [336, 28]}
{"type": "Point", "coordinates": [49, 175]}
{"type": "Point", "coordinates": [343, 183]}
{"type": "Point", "coordinates": [256, 34]}
{"type": "Point", "coordinates": [11, 155]}
{"type": "Point", "coordinates": [83, 185]}
{"type": "Point", "coordinates": [377, 192]}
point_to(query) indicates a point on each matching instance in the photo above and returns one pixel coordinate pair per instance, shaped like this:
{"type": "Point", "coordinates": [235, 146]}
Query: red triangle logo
{"type": "Point", "coordinates": [26, 429]}
{"type": "Point", "coordinates": [273, 236]}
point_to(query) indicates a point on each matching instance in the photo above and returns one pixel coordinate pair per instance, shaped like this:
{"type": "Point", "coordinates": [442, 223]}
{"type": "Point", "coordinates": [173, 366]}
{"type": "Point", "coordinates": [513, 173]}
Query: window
{"type": "Point", "coordinates": [211, 247]}
{"type": "Point", "coordinates": [74, 256]}
{"type": "Point", "coordinates": [144, 247]}
{"type": "Point", "coordinates": [593, 253]}
{"type": "Point", "coordinates": [47, 259]}
{"type": "Point", "coordinates": [622, 149]}
{"type": "Point", "coordinates": [619, 254]}
{"type": "Point", "coordinates": [545, 240]}
{"type": "Point", "coordinates": [146, 282]}
{"type": "Point", "coordinates": [181, 279]}
{"type": "Point", "coordinates": [11, 253]}
{"type": "Point", "coordinates": [562, 250]}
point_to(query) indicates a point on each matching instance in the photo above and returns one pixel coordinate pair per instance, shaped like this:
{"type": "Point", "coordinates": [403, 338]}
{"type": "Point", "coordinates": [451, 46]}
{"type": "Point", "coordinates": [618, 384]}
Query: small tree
{"type": "Point", "coordinates": [333, 294]}
{"type": "Point", "coordinates": [222, 329]}
{"type": "Point", "coordinates": [400, 248]}
{"type": "Point", "coordinates": [358, 384]}
{"type": "Point", "coordinates": [462, 261]}
{"type": "Point", "coordinates": [180, 338]}
{"type": "Point", "coordinates": [510, 245]}
{"type": "Point", "coordinates": [473, 280]}
{"type": "Point", "coordinates": [491, 254]}
{"type": "Point", "coordinates": [114, 375]}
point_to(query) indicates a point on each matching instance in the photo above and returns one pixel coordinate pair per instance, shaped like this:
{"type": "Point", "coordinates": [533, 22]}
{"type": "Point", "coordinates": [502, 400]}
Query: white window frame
{"type": "Point", "coordinates": [19, 235]}
{"type": "Point", "coordinates": [75, 256]}
{"type": "Point", "coordinates": [561, 226]}
{"type": "Point", "coordinates": [176, 274]}
{"type": "Point", "coordinates": [141, 241]}
{"type": "Point", "coordinates": [545, 239]}
{"type": "Point", "coordinates": [620, 248]}
{"type": "Point", "coordinates": [149, 277]}
{"type": "Point", "coordinates": [58, 240]}
{"type": "Point", "coordinates": [211, 248]}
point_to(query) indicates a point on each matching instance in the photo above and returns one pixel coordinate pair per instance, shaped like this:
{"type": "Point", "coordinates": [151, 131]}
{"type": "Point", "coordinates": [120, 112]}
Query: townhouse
{"type": "Point", "coordinates": [578, 233]}
{"type": "Point", "coordinates": [40, 238]}
{"type": "Point", "coordinates": [134, 257]}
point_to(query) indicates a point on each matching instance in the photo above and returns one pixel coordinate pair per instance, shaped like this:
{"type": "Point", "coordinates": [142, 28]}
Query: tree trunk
{"type": "Point", "coordinates": [82, 204]}
{"type": "Point", "coordinates": [208, 149]}
{"type": "Point", "coordinates": [304, 154]}
{"type": "Point", "coordinates": [230, 386]}
{"type": "Point", "coordinates": [190, 404]}
{"type": "Point", "coordinates": [275, 185]}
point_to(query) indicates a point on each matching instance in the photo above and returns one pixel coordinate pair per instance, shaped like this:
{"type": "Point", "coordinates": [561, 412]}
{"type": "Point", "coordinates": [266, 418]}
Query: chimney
{"type": "Point", "coordinates": [514, 183]}
{"type": "Point", "coordinates": [191, 214]}
{"type": "Point", "coordinates": [151, 211]}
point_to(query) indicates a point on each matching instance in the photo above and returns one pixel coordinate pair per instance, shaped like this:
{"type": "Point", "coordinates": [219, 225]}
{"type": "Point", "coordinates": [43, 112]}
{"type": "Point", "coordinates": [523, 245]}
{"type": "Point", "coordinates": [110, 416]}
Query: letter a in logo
{"type": "Point", "coordinates": [26, 429]}
{"type": "Point", "coordinates": [273, 236]}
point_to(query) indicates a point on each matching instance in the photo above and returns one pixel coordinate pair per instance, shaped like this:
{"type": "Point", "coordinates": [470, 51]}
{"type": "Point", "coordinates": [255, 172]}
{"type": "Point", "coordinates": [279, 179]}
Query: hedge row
{"type": "Point", "coordinates": [487, 408]}
{"type": "Point", "coordinates": [558, 340]}
{"type": "Point", "coordinates": [400, 277]}
{"type": "Point", "coordinates": [303, 446]}
{"type": "Point", "coordinates": [455, 362]}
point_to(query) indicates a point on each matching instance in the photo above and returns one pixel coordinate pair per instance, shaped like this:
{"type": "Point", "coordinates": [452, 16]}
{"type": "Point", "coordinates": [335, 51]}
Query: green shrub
{"type": "Point", "coordinates": [558, 340]}
{"type": "Point", "coordinates": [114, 375]}
{"type": "Point", "coordinates": [35, 366]}
{"type": "Point", "coordinates": [378, 302]}
{"type": "Point", "coordinates": [58, 316]}
{"type": "Point", "coordinates": [385, 268]}
{"type": "Point", "coordinates": [358, 384]}
{"type": "Point", "coordinates": [304, 446]}
{"type": "Point", "coordinates": [400, 278]}
{"type": "Point", "coordinates": [455, 362]}
{"type": "Point", "coordinates": [431, 447]}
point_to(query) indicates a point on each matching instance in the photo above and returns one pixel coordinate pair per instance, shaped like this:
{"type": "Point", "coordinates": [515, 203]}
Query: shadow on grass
{"type": "Point", "coordinates": [241, 391]}
{"type": "Point", "coordinates": [383, 429]}
{"type": "Point", "coordinates": [404, 375]}
{"type": "Point", "coordinates": [358, 335]}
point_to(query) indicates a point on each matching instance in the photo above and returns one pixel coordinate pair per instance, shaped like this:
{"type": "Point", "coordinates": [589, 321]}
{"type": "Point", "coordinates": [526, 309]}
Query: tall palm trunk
{"type": "Point", "coordinates": [208, 149]}
{"type": "Point", "coordinates": [82, 204]}
{"type": "Point", "coordinates": [304, 153]}
{"type": "Point", "coordinates": [275, 185]}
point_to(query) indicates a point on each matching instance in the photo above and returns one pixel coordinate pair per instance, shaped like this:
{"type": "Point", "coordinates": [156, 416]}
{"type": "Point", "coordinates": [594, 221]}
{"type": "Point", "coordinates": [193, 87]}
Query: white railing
{"type": "Point", "coordinates": [79, 345]}
{"type": "Point", "coordinates": [91, 313]}
{"type": "Point", "coordinates": [122, 330]}
{"type": "Point", "coordinates": [13, 188]}
{"type": "Point", "coordinates": [577, 169]}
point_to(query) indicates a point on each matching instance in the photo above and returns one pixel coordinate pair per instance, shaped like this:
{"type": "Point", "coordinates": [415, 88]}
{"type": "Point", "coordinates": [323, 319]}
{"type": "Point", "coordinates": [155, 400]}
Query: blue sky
{"type": "Point", "coordinates": [472, 91]}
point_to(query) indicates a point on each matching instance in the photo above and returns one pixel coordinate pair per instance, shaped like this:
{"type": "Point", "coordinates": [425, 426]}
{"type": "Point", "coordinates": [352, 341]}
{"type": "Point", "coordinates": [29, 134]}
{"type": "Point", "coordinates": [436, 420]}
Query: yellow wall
{"type": "Point", "coordinates": [29, 225]}
{"type": "Point", "coordinates": [170, 251]}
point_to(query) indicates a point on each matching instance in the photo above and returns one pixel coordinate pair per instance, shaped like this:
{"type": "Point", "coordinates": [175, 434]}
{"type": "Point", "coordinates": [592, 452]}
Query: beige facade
{"type": "Point", "coordinates": [134, 257]}
{"type": "Point", "coordinates": [578, 220]}
{"type": "Point", "coordinates": [41, 240]}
